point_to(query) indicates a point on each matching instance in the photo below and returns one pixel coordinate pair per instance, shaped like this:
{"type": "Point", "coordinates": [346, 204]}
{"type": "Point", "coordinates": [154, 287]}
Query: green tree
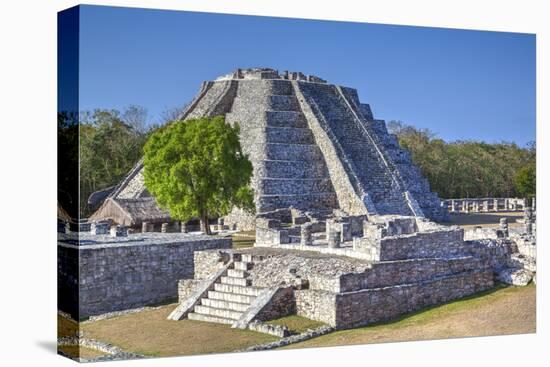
{"type": "Point", "coordinates": [526, 180]}
{"type": "Point", "coordinates": [111, 142]}
{"type": "Point", "coordinates": [196, 168]}
{"type": "Point", "coordinates": [464, 168]}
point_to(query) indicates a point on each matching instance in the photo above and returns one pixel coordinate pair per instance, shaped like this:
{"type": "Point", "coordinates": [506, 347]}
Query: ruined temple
{"type": "Point", "coordinates": [313, 145]}
{"type": "Point", "coordinates": [344, 228]}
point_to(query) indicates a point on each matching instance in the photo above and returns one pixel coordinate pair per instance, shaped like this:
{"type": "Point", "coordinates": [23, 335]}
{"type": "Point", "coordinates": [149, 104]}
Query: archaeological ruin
{"type": "Point", "coordinates": [346, 226]}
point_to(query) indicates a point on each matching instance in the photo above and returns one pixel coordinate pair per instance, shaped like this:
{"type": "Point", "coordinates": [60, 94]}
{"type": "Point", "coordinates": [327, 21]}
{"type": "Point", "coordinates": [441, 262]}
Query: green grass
{"type": "Point", "coordinates": [296, 324]}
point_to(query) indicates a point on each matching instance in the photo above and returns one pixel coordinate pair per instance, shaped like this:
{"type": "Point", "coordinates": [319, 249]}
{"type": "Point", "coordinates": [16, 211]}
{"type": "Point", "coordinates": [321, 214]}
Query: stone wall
{"type": "Point", "coordinates": [438, 243]}
{"type": "Point", "coordinates": [316, 305]}
{"type": "Point", "coordinates": [369, 306]}
{"type": "Point", "coordinates": [390, 273]}
{"type": "Point", "coordinates": [107, 274]}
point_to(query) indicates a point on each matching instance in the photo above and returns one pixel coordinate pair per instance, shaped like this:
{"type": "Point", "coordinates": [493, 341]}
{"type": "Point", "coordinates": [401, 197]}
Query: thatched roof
{"type": "Point", "coordinates": [131, 212]}
{"type": "Point", "coordinates": [99, 196]}
{"type": "Point", "coordinates": [129, 203]}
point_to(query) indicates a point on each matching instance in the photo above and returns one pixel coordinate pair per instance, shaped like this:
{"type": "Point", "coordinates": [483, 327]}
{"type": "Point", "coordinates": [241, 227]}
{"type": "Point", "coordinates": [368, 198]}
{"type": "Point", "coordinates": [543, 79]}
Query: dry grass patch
{"type": "Point", "coordinates": [243, 239]}
{"type": "Point", "coordinates": [503, 311]}
{"type": "Point", "coordinates": [76, 351]}
{"type": "Point", "coordinates": [150, 333]}
{"type": "Point", "coordinates": [296, 324]}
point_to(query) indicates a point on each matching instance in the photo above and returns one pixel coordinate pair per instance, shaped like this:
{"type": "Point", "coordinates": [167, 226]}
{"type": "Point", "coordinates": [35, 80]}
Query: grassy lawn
{"type": "Point", "coordinates": [501, 311]}
{"type": "Point", "coordinates": [243, 239]}
{"type": "Point", "coordinates": [296, 324]}
{"type": "Point", "coordinates": [149, 333]}
{"type": "Point", "coordinates": [485, 220]}
{"type": "Point", "coordinates": [82, 352]}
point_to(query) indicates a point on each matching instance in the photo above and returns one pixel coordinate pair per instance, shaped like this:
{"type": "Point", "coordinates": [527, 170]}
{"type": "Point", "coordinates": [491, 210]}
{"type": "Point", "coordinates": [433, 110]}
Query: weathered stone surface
{"type": "Point", "coordinates": [116, 273]}
{"type": "Point", "coordinates": [514, 276]}
{"type": "Point", "coordinates": [313, 146]}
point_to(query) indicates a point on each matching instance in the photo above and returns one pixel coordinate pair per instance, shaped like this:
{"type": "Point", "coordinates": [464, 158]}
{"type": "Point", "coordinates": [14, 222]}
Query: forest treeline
{"type": "Point", "coordinates": [111, 142]}
{"type": "Point", "coordinates": [469, 169]}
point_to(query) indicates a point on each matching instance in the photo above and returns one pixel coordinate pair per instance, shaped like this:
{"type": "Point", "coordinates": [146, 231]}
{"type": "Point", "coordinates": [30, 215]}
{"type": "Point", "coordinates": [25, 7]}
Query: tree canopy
{"type": "Point", "coordinates": [196, 168]}
{"type": "Point", "coordinates": [111, 142]}
{"type": "Point", "coordinates": [467, 169]}
{"type": "Point", "coordinates": [526, 180]}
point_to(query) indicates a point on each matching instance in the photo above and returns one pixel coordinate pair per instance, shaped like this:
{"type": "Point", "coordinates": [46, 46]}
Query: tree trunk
{"type": "Point", "coordinates": [204, 223]}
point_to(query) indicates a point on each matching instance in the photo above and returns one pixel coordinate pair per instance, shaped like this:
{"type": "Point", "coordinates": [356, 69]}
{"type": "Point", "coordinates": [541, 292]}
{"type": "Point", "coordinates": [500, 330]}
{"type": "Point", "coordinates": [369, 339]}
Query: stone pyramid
{"type": "Point", "coordinates": [314, 147]}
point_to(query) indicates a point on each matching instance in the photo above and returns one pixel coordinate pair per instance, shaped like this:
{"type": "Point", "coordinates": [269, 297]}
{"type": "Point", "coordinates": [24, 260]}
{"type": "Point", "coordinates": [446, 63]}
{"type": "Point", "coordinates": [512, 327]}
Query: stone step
{"type": "Point", "coordinates": [294, 135]}
{"type": "Point", "coordinates": [246, 257]}
{"type": "Point", "coordinates": [234, 273]}
{"type": "Point", "coordinates": [292, 169]}
{"type": "Point", "coordinates": [227, 305]}
{"type": "Point", "coordinates": [266, 203]}
{"type": "Point", "coordinates": [285, 151]}
{"type": "Point", "coordinates": [237, 289]}
{"type": "Point", "coordinates": [231, 297]}
{"type": "Point", "coordinates": [236, 281]}
{"type": "Point", "coordinates": [285, 119]}
{"type": "Point", "coordinates": [252, 257]}
{"type": "Point", "coordinates": [288, 186]}
{"type": "Point", "coordinates": [283, 102]}
{"type": "Point", "coordinates": [243, 265]}
{"type": "Point", "coordinates": [207, 318]}
{"type": "Point", "coordinates": [219, 312]}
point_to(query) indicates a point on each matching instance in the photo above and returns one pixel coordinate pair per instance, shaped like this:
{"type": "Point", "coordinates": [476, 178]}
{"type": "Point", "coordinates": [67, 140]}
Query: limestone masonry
{"type": "Point", "coordinates": [313, 146]}
{"type": "Point", "coordinates": [345, 229]}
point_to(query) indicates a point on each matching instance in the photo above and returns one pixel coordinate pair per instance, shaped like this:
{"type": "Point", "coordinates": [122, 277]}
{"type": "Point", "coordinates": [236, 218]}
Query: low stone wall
{"type": "Point", "coordinates": [105, 274]}
{"type": "Point", "coordinates": [439, 243]}
{"type": "Point", "coordinates": [369, 306]}
{"type": "Point", "coordinates": [390, 273]}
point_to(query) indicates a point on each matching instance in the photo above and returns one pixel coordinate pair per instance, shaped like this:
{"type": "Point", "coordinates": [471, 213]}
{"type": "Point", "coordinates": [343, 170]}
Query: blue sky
{"type": "Point", "coordinates": [460, 84]}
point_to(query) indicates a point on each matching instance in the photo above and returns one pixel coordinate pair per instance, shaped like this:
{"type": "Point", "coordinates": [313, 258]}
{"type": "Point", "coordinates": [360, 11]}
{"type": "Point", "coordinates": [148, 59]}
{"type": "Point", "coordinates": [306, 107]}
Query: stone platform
{"type": "Point", "coordinates": [99, 273]}
{"type": "Point", "coordinates": [341, 291]}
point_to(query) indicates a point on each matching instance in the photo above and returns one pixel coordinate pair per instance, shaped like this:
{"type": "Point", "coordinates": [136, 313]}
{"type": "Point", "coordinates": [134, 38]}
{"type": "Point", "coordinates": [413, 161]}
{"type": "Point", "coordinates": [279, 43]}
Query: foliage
{"type": "Point", "coordinates": [111, 142]}
{"type": "Point", "coordinates": [463, 169]}
{"type": "Point", "coordinates": [196, 167]}
{"type": "Point", "coordinates": [526, 180]}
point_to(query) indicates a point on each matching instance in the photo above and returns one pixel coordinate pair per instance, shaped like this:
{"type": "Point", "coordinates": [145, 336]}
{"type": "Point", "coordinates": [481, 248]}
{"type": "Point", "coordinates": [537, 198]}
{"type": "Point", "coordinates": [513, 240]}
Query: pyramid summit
{"type": "Point", "coordinates": [314, 146]}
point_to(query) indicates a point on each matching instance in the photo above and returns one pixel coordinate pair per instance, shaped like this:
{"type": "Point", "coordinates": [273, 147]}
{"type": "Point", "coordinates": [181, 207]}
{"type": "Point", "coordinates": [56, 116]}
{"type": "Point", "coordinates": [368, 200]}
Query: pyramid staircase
{"type": "Point", "coordinates": [231, 296]}
{"type": "Point", "coordinates": [290, 168]}
{"type": "Point", "coordinates": [372, 174]}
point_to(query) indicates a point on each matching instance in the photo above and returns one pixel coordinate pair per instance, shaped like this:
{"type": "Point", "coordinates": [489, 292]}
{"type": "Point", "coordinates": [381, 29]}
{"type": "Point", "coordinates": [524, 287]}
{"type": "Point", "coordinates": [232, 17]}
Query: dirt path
{"type": "Point", "coordinates": [504, 311]}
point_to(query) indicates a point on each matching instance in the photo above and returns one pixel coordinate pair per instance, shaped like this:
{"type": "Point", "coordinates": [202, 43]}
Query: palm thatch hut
{"type": "Point", "coordinates": [129, 203]}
